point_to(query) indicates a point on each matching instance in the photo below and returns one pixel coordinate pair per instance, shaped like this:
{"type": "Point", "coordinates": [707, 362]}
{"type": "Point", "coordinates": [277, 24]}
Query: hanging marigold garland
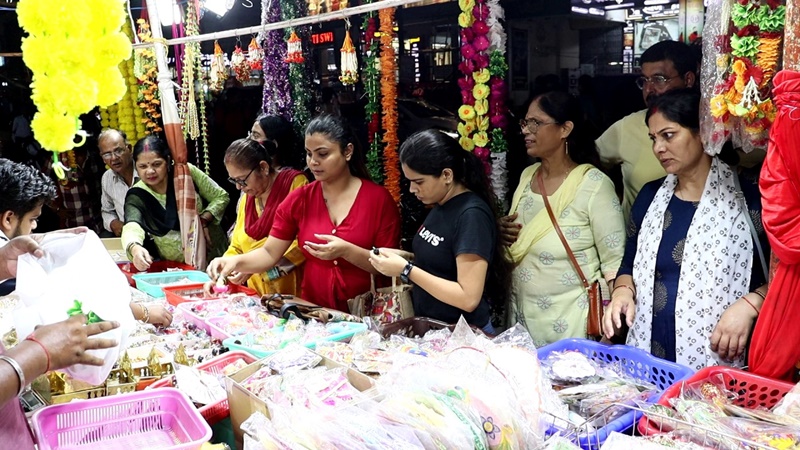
{"type": "Point", "coordinates": [193, 104]}
{"type": "Point", "coordinates": [255, 55]}
{"type": "Point", "coordinates": [121, 115]}
{"type": "Point", "coordinates": [349, 74]}
{"type": "Point", "coordinates": [74, 52]}
{"type": "Point", "coordinates": [239, 65]}
{"type": "Point", "coordinates": [391, 161]}
{"type": "Point", "coordinates": [147, 74]}
{"type": "Point", "coordinates": [748, 55]}
{"type": "Point", "coordinates": [218, 72]}
{"type": "Point", "coordinates": [371, 79]}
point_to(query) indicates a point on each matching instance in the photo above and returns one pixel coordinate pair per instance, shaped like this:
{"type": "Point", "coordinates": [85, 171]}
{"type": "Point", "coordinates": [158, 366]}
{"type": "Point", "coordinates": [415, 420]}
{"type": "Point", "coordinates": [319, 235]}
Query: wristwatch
{"type": "Point", "coordinates": [406, 272]}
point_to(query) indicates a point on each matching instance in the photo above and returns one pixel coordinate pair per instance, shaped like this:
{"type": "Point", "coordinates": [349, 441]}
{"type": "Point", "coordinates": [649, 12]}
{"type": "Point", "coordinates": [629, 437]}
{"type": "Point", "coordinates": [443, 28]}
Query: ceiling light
{"type": "Point", "coordinates": [218, 7]}
{"type": "Point", "coordinates": [621, 5]}
{"type": "Point", "coordinates": [657, 2]}
{"type": "Point", "coordinates": [168, 13]}
{"type": "Point", "coordinates": [580, 10]}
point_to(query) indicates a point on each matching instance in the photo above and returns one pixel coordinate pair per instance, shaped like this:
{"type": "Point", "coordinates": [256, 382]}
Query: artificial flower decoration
{"type": "Point", "coordinates": [371, 78]}
{"type": "Point", "coordinates": [466, 112]}
{"type": "Point", "coordinates": [255, 55]}
{"type": "Point", "coordinates": [300, 82]}
{"type": "Point", "coordinates": [146, 72]}
{"type": "Point", "coordinates": [748, 57]}
{"type": "Point", "coordinates": [218, 72]}
{"type": "Point", "coordinates": [391, 159]}
{"type": "Point", "coordinates": [74, 50]}
{"type": "Point", "coordinates": [294, 49]}
{"type": "Point", "coordinates": [239, 65]}
{"type": "Point", "coordinates": [349, 74]}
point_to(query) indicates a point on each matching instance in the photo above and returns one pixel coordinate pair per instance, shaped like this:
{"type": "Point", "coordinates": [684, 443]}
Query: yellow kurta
{"type": "Point", "coordinates": [242, 243]}
{"type": "Point", "coordinates": [547, 295]}
{"type": "Point", "coordinates": [627, 142]}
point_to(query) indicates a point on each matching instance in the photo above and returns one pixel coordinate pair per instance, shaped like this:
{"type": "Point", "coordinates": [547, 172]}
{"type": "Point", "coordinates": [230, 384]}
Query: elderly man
{"type": "Point", "coordinates": [116, 153]}
{"type": "Point", "coordinates": [666, 65]}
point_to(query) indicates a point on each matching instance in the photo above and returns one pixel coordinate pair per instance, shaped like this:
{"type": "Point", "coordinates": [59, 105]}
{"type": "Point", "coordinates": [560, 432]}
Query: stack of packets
{"type": "Point", "coordinates": [462, 392]}
{"type": "Point", "coordinates": [707, 414]}
{"type": "Point", "coordinates": [234, 314]}
{"type": "Point", "coordinates": [205, 387]}
{"type": "Point", "coordinates": [287, 332]}
{"type": "Point", "coordinates": [596, 392]}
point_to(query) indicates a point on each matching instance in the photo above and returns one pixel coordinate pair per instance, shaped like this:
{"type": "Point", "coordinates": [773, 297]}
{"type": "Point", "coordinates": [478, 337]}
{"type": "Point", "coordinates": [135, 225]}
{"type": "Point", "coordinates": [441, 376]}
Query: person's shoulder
{"type": "Point", "coordinates": [471, 205]}
{"type": "Point", "coordinates": [649, 190]}
{"type": "Point", "coordinates": [375, 190]}
{"type": "Point", "coordinates": [108, 176]}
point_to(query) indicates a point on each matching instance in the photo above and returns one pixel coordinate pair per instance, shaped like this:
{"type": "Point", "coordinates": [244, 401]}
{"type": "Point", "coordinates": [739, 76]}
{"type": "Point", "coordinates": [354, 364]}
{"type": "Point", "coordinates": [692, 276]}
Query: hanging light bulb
{"type": "Point", "coordinates": [218, 7]}
{"type": "Point", "coordinates": [168, 12]}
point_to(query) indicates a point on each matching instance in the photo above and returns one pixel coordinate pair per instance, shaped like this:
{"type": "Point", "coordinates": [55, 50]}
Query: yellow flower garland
{"type": "Point", "coordinates": [73, 50]}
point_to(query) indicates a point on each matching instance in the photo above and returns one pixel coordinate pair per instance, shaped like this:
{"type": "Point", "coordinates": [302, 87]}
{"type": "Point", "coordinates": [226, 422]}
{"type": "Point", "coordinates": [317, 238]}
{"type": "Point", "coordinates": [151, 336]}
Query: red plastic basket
{"type": "Point", "coordinates": [753, 391]}
{"type": "Point", "coordinates": [158, 266]}
{"type": "Point", "coordinates": [215, 412]}
{"type": "Point", "coordinates": [180, 294]}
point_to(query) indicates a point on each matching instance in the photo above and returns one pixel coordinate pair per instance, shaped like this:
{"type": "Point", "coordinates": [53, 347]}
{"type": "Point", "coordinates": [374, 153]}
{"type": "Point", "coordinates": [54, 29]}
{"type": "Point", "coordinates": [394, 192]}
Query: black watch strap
{"type": "Point", "coordinates": [406, 272]}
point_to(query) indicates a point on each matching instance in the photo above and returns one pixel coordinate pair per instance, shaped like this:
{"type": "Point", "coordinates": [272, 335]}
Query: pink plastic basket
{"type": "Point", "coordinates": [215, 412]}
{"type": "Point", "coordinates": [162, 419]}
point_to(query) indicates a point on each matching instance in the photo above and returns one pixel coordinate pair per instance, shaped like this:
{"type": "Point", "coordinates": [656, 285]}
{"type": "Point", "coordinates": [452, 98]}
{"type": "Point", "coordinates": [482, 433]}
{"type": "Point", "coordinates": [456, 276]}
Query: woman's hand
{"type": "Point", "coordinates": [388, 262]}
{"type": "Point", "coordinates": [159, 315]}
{"type": "Point", "coordinates": [333, 247]}
{"type": "Point", "coordinates": [219, 268]}
{"type": "Point", "coordinates": [67, 341]}
{"type": "Point", "coordinates": [239, 278]}
{"type": "Point", "coordinates": [509, 230]}
{"type": "Point", "coordinates": [730, 336]}
{"type": "Point", "coordinates": [141, 258]}
{"type": "Point", "coordinates": [622, 303]}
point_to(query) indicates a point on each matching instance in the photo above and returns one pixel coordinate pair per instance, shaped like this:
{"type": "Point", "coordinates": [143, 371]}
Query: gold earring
{"type": "Point", "coordinates": [566, 147]}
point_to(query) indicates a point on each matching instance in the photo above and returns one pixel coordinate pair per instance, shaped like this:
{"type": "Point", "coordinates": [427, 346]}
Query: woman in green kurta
{"type": "Point", "coordinates": [151, 207]}
{"type": "Point", "coordinates": [547, 295]}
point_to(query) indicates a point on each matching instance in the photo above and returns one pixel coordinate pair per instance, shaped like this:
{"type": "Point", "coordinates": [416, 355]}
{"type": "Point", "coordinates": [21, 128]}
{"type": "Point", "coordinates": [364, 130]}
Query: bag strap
{"type": "Point", "coordinates": [560, 234]}
{"type": "Point", "coordinates": [746, 210]}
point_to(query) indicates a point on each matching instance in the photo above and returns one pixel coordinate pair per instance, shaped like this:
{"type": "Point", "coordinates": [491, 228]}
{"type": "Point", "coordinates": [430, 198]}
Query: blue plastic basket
{"type": "Point", "coordinates": [638, 364]}
{"type": "Point", "coordinates": [344, 331]}
{"type": "Point", "coordinates": [151, 283]}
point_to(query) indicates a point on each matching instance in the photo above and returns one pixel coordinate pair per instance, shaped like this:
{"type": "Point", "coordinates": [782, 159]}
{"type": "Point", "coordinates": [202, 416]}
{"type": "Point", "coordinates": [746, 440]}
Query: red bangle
{"type": "Point", "coordinates": [751, 305]}
{"type": "Point", "coordinates": [630, 288]}
{"type": "Point", "coordinates": [32, 338]}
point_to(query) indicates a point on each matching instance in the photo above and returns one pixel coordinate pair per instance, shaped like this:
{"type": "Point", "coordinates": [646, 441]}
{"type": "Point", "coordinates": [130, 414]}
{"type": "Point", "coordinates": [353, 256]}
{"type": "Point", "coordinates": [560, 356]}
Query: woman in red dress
{"type": "Point", "coordinates": [336, 219]}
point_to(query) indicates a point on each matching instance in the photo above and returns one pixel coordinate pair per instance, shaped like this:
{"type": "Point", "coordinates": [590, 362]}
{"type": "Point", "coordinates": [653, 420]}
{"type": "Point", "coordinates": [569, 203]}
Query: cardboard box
{"type": "Point", "coordinates": [244, 403]}
{"type": "Point", "coordinates": [114, 248]}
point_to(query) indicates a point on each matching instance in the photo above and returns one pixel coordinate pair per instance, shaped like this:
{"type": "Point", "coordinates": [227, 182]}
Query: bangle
{"type": "Point", "coordinates": [32, 338]}
{"type": "Point", "coordinates": [751, 305]}
{"type": "Point", "coordinates": [630, 288]}
{"type": "Point", "coordinates": [130, 247]}
{"type": "Point", "coordinates": [146, 313]}
{"type": "Point", "coordinates": [758, 293]}
{"type": "Point", "coordinates": [18, 369]}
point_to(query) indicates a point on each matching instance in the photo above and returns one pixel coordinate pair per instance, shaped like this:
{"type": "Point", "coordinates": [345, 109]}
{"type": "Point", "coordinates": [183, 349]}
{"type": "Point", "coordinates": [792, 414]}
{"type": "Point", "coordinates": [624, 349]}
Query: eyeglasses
{"type": "Point", "coordinates": [243, 182]}
{"type": "Point", "coordinates": [107, 156]}
{"type": "Point", "coordinates": [658, 81]}
{"type": "Point", "coordinates": [532, 125]}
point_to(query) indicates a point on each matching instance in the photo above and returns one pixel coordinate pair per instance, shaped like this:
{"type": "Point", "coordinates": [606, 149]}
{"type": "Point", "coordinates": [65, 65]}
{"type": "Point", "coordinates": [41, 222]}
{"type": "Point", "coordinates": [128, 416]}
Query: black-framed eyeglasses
{"type": "Point", "coordinates": [658, 81]}
{"type": "Point", "coordinates": [107, 156]}
{"type": "Point", "coordinates": [243, 181]}
{"type": "Point", "coordinates": [532, 125]}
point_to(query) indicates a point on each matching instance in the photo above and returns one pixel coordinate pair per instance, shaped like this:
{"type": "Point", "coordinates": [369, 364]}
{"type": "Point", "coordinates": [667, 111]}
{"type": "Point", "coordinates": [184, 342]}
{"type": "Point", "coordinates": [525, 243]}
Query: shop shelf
{"type": "Point", "coordinates": [158, 266]}
{"type": "Point", "coordinates": [637, 363]}
{"type": "Point", "coordinates": [342, 331]}
{"type": "Point", "coordinates": [153, 283]}
{"type": "Point", "coordinates": [753, 391]}
{"type": "Point", "coordinates": [215, 412]}
{"type": "Point", "coordinates": [161, 419]}
{"type": "Point", "coordinates": [183, 293]}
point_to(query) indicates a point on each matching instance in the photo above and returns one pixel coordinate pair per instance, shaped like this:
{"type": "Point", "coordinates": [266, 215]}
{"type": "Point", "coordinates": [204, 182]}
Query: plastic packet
{"type": "Point", "coordinates": [770, 435]}
{"type": "Point", "coordinates": [462, 336]}
{"type": "Point", "coordinates": [619, 441]}
{"type": "Point", "coordinates": [560, 443]}
{"type": "Point", "coordinates": [570, 367]}
{"type": "Point", "coordinates": [201, 387]}
{"type": "Point", "coordinates": [607, 406]}
{"type": "Point", "coordinates": [291, 358]}
{"type": "Point", "coordinates": [790, 404]}
{"type": "Point", "coordinates": [260, 434]}
{"type": "Point", "coordinates": [340, 352]}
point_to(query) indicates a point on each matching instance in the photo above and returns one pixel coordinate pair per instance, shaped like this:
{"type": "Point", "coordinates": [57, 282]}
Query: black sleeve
{"type": "Point", "coordinates": [749, 181]}
{"type": "Point", "coordinates": [476, 233]}
{"type": "Point", "coordinates": [638, 211]}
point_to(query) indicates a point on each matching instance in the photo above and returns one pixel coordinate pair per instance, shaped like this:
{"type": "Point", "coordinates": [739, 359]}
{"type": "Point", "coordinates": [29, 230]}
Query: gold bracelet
{"type": "Point", "coordinates": [146, 313]}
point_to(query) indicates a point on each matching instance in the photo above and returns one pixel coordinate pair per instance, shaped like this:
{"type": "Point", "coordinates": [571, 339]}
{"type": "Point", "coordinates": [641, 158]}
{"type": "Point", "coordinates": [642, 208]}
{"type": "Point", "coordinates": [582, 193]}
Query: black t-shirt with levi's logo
{"type": "Point", "coordinates": [463, 225]}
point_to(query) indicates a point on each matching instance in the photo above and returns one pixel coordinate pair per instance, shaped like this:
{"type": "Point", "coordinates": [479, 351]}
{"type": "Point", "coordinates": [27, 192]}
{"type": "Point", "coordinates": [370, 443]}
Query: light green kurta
{"type": "Point", "coordinates": [169, 246]}
{"type": "Point", "coordinates": [547, 294]}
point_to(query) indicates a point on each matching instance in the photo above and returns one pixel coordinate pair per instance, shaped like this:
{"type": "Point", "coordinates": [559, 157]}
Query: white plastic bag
{"type": "Point", "coordinates": [75, 267]}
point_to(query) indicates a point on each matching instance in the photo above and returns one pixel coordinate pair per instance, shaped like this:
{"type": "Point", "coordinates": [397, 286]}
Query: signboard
{"type": "Point", "coordinates": [322, 38]}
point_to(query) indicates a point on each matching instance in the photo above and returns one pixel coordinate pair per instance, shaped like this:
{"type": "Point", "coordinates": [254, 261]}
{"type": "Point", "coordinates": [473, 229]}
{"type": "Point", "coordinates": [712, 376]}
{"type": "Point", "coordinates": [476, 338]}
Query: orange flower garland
{"type": "Point", "coordinates": [391, 160]}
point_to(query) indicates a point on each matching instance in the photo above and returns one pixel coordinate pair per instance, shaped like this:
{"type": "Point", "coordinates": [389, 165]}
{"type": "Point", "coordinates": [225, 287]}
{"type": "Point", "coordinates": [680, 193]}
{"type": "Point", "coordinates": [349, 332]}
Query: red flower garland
{"type": "Point", "coordinates": [391, 160]}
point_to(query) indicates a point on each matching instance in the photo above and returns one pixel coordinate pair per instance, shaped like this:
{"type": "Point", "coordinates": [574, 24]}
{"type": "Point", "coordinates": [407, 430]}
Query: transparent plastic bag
{"type": "Point", "coordinates": [75, 267]}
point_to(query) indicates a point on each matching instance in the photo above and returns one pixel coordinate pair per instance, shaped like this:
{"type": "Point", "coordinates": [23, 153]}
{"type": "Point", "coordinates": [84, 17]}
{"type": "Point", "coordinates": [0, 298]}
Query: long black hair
{"type": "Point", "coordinates": [430, 152]}
{"type": "Point", "coordinates": [279, 132]}
{"type": "Point", "coordinates": [247, 153]}
{"type": "Point", "coordinates": [338, 131]}
{"type": "Point", "coordinates": [562, 108]}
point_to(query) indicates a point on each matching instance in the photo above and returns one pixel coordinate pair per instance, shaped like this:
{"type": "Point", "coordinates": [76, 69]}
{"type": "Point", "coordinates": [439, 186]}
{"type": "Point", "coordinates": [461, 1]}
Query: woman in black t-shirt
{"type": "Point", "coordinates": [457, 268]}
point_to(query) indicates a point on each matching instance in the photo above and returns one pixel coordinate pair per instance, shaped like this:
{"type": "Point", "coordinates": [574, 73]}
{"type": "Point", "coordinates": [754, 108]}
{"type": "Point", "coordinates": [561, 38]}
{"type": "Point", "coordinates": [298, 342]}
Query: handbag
{"type": "Point", "coordinates": [285, 306]}
{"type": "Point", "coordinates": [595, 291]}
{"type": "Point", "coordinates": [383, 305]}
